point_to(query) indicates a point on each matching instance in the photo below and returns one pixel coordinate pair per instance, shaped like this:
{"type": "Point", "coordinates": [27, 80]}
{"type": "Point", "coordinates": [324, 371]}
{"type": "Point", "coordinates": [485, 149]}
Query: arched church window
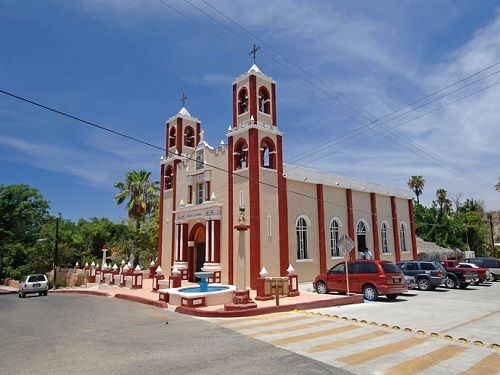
{"type": "Point", "coordinates": [168, 178]}
{"type": "Point", "coordinates": [171, 137]}
{"type": "Point", "coordinates": [361, 235]}
{"type": "Point", "coordinates": [383, 235]}
{"type": "Point", "coordinates": [264, 100]}
{"type": "Point", "coordinates": [334, 238]}
{"type": "Point", "coordinates": [267, 153]}
{"type": "Point", "coordinates": [301, 232]}
{"type": "Point", "coordinates": [243, 101]}
{"type": "Point", "coordinates": [189, 137]}
{"type": "Point", "coordinates": [402, 237]}
{"type": "Point", "coordinates": [240, 154]}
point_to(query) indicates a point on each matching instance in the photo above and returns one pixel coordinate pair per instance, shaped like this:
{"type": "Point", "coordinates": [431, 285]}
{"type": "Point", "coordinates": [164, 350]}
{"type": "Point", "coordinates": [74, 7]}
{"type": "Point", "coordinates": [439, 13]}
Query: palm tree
{"type": "Point", "coordinates": [416, 184]}
{"type": "Point", "coordinates": [142, 194]}
{"type": "Point", "coordinates": [443, 201]}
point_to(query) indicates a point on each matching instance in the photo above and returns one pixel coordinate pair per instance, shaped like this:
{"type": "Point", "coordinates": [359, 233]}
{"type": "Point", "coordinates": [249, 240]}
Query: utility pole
{"type": "Point", "coordinates": [490, 217]}
{"type": "Point", "coordinates": [56, 249]}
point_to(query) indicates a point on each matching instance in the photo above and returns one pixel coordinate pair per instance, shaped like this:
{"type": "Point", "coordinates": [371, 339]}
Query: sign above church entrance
{"type": "Point", "coordinates": [188, 213]}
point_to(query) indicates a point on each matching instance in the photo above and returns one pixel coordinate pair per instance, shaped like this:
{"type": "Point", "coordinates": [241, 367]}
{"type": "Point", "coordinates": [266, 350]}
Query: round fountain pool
{"type": "Point", "coordinates": [198, 289]}
{"type": "Point", "coordinates": [215, 294]}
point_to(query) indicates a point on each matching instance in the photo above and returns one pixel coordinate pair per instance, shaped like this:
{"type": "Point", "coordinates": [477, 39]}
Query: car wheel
{"type": "Point", "coordinates": [424, 284]}
{"type": "Point", "coordinates": [40, 294]}
{"type": "Point", "coordinates": [490, 277]}
{"type": "Point", "coordinates": [463, 286]}
{"type": "Point", "coordinates": [370, 293]}
{"type": "Point", "coordinates": [392, 297]}
{"type": "Point", "coordinates": [450, 282]}
{"type": "Point", "coordinates": [321, 287]}
{"type": "Point", "coordinates": [19, 295]}
{"type": "Point", "coordinates": [45, 293]}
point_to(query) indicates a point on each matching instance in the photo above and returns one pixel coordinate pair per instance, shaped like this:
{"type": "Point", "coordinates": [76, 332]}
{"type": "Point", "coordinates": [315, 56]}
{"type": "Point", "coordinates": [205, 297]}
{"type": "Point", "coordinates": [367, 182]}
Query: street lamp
{"type": "Point", "coordinates": [56, 249]}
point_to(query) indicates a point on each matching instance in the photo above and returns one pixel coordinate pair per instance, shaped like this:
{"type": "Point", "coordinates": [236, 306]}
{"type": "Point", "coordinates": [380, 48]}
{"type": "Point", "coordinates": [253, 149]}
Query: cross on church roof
{"type": "Point", "coordinates": [254, 52]}
{"type": "Point", "coordinates": [183, 99]}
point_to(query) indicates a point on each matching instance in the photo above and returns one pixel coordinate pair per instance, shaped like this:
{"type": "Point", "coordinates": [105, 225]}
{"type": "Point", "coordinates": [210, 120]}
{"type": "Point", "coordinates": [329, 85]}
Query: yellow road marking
{"type": "Point", "coordinates": [312, 335]}
{"type": "Point", "coordinates": [489, 365]}
{"type": "Point", "coordinates": [420, 363]}
{"type": "Point", "coordinates": [285, 329]}
{"type": "Point", "coordinates": [368, 355]}
{"type": "Point", "coordinates": [344, 342]}
{"type": "Point", "coordinates": [271, 323]}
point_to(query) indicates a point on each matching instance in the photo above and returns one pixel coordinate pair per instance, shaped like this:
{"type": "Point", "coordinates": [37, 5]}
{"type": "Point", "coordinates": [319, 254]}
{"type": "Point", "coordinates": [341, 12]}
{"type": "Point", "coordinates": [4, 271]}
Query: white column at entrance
{"type": "Point", "coordinates": [176, 242]}
{"type": "Point", "coordinates": [181, 247]}
{"type": "Point", "coordinates": [207, 241]}
{"type": "Point", "coordinates": [212, 239]}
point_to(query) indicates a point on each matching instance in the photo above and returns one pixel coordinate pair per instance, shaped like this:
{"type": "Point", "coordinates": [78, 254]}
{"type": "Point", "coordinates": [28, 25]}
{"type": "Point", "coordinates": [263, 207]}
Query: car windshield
{"type": "Point", "coordinates": [390, 268]}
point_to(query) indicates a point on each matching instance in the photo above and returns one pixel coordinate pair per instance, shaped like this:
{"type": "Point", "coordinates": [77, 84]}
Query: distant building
{"type": "Point", "coordinates": [296, 215]}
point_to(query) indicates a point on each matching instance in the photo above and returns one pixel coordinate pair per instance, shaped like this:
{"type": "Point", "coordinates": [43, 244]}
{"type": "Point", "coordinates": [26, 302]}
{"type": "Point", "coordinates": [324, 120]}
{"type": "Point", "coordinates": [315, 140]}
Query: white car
{"type": "Point", "coordinates": [34, 284]}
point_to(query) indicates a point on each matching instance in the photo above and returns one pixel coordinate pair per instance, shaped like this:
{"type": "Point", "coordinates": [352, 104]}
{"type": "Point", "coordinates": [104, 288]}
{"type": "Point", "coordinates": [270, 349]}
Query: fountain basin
{"type": "Point", "coordinates": [216, 294]}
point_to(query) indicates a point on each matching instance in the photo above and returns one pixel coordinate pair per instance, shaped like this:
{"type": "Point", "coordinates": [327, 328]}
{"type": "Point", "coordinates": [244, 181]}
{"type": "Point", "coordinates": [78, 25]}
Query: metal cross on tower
{"type": "Point", "coordinates": [254, 52]}
{"type": "Point", "coordinates": [183, 99]}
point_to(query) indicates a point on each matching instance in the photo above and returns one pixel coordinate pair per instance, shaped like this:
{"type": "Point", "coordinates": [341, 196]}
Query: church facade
{"type": "Point", "coordinates": [295, 215]}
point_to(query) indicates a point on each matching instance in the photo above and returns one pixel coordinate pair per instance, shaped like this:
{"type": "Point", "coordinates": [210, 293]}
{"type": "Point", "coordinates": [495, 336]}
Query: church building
{"type": "Point", "coordinates": [295, 215]}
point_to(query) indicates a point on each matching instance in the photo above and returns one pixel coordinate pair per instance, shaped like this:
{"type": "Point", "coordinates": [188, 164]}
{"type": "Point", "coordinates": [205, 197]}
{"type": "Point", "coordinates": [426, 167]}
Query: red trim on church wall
{"type": "Point", "coordinates": [198, 131]}
{"type": "Point", "coordinates": [282, 209]}
{"type": "Point", "coordinates": [412, 229]}
{"type": "Point", "coordinates": [230, 229]}
{"type": "Point", "coordinates": [160, 220]}
{"type": "Point", "coordinates": [179, 135]}
{"type": "Point", "coordinates": [174, 191]}
{"type": "Point", "coordinates": [235, 108]}
{"type": "Point", "coordinates": [217, 241]}
{"type": "Point", "coordinates": [252, 81]}
{"type": "Point", "coordinates": [350, 220]}
{"type": "Point", "coordinates": [273, 104]}
{"type": "Point", "coordinates": [166, 140]}
{"type": "Point", "coordinates": [321, 227]}
{"type": "Point", "coordinates": [395, 229]}
{"type": "Point", "coordinates": [254, 192]}
{"type": "Point", "coordinates": [376, 245]}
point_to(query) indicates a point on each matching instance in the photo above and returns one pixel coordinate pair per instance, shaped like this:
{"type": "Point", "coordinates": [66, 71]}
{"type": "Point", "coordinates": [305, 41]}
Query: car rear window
{"type": "Point", "coordinates": [491, 263]}
{"type": "Point", "coordinates": [428, 266]}
{"type": "Point", "coordinates": [390, 268]}
{"type": "Point", "coordinates": [40, 278]}
{"type": "Point", "coordinates": [440, 266]}
{"type": "Point", "coordinates": [32, 279]}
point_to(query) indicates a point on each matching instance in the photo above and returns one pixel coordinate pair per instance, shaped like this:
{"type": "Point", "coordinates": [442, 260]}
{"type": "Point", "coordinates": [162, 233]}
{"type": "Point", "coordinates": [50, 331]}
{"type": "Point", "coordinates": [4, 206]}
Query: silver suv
{"type": "Point", "coordinates": [33, 284]}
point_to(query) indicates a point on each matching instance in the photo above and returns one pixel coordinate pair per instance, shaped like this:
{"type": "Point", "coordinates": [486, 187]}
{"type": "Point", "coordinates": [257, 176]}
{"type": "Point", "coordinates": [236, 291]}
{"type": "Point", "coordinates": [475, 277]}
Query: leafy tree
{"type": "Point", "coordinates": [24, 210]}
{"type": "Point", "coordinates": [416, 184]}
{"type": "Point", "coordinates": [497, 186]}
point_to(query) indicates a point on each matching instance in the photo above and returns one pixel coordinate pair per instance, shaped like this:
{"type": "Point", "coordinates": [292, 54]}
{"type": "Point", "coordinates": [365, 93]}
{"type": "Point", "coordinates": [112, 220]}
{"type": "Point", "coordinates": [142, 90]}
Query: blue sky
{"type": "Point", "coordinates": [124, 64]}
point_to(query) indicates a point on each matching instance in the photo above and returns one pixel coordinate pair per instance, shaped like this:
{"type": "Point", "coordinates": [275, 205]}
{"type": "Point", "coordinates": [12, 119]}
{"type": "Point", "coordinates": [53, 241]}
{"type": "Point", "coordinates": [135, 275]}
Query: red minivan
{"type": "Point", "coordinates": [369, 277]}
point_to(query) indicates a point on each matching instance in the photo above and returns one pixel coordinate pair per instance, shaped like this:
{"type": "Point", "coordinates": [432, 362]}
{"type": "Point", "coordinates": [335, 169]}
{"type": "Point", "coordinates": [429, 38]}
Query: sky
{"type": "Point", "coordinates": [343, 69]}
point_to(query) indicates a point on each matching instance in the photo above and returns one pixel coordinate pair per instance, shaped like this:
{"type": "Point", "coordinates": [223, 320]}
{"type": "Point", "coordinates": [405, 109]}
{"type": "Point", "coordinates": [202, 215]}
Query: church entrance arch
{"type": "Point", "coordinates": [196, 251]}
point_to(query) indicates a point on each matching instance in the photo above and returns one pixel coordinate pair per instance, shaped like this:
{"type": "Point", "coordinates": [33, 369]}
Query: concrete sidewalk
{"type": "Point", "coordinates": [306, 300]}
{"type": "Point", "coordinates": [4, 289]}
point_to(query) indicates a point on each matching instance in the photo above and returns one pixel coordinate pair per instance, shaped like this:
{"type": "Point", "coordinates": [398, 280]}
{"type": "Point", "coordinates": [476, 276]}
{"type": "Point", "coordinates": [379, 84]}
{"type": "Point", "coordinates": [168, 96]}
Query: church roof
{"type": "Point", "coordinates": [184, 113]}
{"type": "Point", "coordinates": [294, 172]}
{"type": "Point", "coordinates": [254, 68]}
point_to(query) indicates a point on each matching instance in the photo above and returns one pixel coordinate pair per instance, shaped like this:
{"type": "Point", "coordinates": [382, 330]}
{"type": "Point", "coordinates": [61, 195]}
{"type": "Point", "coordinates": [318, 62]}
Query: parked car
{"type": "Point", "coordinates": [428, 274]}
{"type": "Point", "coordinates": [458, 277]}
{"type": "Point", "coordinates": [34, 284]}
{"type": "Point", "coordinates": [492, 264]}
{"type": "Point", "coordinates": [482, 273]}
{"type": "Point", "coordinates": [369, 277]}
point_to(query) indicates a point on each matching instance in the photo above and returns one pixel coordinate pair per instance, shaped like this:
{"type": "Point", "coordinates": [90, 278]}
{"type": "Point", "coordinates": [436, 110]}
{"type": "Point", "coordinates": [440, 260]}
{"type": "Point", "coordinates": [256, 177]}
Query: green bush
{"type": "Point", "coordinates": [60, 283]}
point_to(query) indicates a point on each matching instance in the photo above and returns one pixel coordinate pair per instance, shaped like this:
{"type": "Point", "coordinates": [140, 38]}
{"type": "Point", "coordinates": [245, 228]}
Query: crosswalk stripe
{"type": "Point", "coordinates": [289, 328]}
{"type": "Point", "coordinates": [370, 354]}
{"type": "Point", "coordinates": [489, 365]}
{"type": "Point", "coordinates": [253, 318]}
{"type": "Point", "coordinates": [420, 363]}
{"type": "Point", "coordinates": [270, 323]}
{"type": "Point", "coordinates": [344, 342]}
{"type": "Point", "coordinates": [312, 335]}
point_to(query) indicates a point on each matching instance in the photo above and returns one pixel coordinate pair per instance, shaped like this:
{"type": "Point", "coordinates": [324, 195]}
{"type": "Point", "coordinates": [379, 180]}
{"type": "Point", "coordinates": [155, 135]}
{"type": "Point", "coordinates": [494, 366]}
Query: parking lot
{"type": "Point", "coordinates": [472, 313]}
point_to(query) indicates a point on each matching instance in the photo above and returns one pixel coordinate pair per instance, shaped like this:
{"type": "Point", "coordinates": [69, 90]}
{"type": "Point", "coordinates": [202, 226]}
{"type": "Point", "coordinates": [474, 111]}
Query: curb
{"type": "Point", "coordinates": [142, 300]}
{"type": "Point", "coordinates": [88, 292]}
{"type": "Point", "coordinates": [193, 311]}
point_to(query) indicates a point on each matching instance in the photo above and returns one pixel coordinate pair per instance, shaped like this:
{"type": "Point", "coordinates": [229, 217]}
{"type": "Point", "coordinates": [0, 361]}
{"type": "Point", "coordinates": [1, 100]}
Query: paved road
{"type": "Point", "coordinates": [62, 334]}
{"type": "Point", "coordinates": [472, 313]}
{"type": "Point", "coordinates": [363, 348]}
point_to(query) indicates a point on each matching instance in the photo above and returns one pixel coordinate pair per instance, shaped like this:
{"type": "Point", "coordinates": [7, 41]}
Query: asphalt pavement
{"type": "Point", "coordinates": [61, 334]}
